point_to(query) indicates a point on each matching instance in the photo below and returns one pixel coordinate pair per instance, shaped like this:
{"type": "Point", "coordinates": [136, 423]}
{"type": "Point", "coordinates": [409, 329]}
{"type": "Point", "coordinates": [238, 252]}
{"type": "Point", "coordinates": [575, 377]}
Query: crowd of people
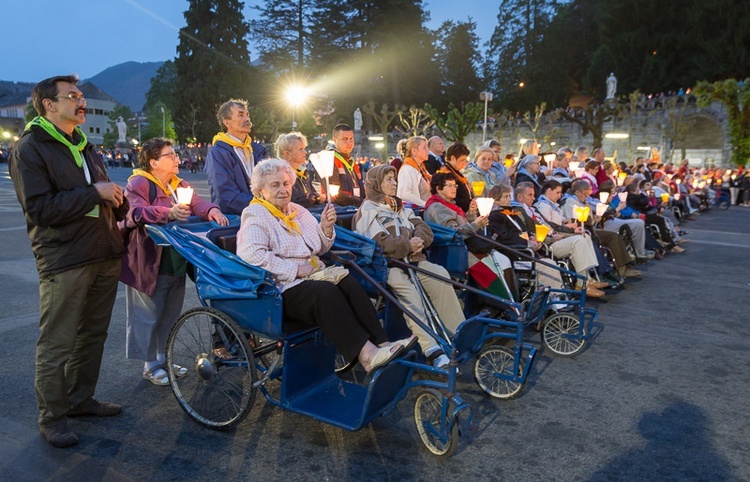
{"type": "Point", "coordinates": [88, 233]}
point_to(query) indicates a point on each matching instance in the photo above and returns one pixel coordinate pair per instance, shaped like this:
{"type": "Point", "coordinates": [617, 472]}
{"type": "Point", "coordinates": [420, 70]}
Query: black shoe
{"type": "Point", "coordinates": [95, 408]}
{"type": "Point", "coordinates": [59, 435]}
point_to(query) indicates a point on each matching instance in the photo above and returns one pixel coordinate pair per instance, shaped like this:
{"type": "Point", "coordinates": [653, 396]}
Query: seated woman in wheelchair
{"type": "Point", "coordinates": [403, 235]}
{"type": "Point", "coordinates": [638, 201]}
{"type": "Point", "coordinates": [441, 209]}
{"type": "Point", "coordinates": [510, 226]}
{"type": "Point", "coordinates": [285, 239]}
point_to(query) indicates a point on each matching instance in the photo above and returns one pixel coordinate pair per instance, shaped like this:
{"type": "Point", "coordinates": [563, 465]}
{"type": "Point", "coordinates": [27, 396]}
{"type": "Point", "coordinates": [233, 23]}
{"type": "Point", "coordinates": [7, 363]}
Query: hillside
{"type": "Point", "coordinates": [127, 82]}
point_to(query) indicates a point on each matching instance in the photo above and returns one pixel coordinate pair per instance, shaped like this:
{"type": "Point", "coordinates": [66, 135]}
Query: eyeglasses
{"type": "Point", "coordinates": [172, 155]}
{"type": "Point", "coordinates": [77, 98]}
{"type": "Point", "coordinates": [450, 184]}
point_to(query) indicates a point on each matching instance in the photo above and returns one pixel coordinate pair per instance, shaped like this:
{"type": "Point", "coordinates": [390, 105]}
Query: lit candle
{"type": "Point", "coordinates": [184, 195]}
{"type": "Point", "coordinates": [478, 187]}
{"type": "Point", "coordinates": [601, 208]}
{"type": "Point", "coordinates": [333, 190]}
{"type": "Point", "coordinates": [603, 196]}
{"type": "Point", "coordinates": [541, 232]}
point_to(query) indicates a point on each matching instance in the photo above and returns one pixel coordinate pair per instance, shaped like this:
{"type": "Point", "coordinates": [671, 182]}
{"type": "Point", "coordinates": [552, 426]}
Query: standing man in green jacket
{"type": "Point", "coordinates": [71, 210]}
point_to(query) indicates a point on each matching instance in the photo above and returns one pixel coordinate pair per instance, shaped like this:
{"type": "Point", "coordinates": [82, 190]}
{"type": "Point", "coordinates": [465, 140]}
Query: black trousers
{"type": "Point", "coordinates": [343, 312]}
{"type": "Point", "coordinates": [663, 229]}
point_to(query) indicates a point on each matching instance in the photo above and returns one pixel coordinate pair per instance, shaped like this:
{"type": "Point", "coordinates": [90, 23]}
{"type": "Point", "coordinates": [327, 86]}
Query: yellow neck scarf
{"type": "Point", "coordinates": [173, 183]}
{"type": "Point", "coordinates": [288, 219]}
{"type": "Point", "coordinates": [245, 146]}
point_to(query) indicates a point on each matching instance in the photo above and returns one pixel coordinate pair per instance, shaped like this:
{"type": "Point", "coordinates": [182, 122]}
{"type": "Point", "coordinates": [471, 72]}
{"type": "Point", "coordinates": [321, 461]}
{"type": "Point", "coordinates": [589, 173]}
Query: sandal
{"type": "Point", "coordinates": [383, 357]}
{"type": "Point", "coordinates": [179, 371]}
{"type": "Point", "coordinates": [157, 376]}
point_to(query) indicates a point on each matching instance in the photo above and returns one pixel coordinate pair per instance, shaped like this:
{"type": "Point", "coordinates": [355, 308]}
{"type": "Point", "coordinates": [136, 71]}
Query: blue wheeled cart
{"type": "Point", "coordinates": [561, 316]}
{"type": "Point", "coordinates": [235, 344]}
{"type": "Point", "coordinates": [502, 357]}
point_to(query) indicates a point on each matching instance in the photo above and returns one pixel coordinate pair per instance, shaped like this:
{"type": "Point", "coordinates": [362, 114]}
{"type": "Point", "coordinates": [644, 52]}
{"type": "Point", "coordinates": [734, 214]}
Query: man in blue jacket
{"type": "Point", "coordinates": [230, 161]}
{"type": "Point", "coordinates": [71, 210]}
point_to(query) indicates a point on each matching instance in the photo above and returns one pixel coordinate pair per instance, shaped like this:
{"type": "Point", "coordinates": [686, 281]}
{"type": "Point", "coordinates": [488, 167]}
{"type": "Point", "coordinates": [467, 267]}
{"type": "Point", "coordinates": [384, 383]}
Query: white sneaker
{"type": "Point", "coordinates": [441, 362]}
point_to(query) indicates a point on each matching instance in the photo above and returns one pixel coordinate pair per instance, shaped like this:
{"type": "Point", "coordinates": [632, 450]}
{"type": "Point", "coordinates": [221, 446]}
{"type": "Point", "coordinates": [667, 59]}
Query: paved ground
{"type": "Point", "coordinates": [661, 394]}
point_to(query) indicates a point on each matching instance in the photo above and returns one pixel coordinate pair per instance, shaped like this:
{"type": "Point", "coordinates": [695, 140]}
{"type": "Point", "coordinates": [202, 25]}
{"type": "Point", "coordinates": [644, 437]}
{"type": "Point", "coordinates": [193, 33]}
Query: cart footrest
{"type": "Point", "coordinates": [351, 406]}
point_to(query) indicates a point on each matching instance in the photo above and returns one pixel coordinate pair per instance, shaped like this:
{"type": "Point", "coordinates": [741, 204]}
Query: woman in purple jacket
{"type": "Point", "coordinates": [155, 276]}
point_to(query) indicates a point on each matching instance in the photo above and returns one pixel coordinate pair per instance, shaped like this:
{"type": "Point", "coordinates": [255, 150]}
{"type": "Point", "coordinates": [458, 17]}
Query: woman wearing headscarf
{"type": "Point", "coordinates": [528, 171]}
{"type": "Point", "coordinates": [403, 235]}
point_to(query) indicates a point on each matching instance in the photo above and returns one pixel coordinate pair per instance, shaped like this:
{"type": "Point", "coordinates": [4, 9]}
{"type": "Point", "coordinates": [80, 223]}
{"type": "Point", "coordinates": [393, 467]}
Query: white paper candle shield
{"type": "Point", "coordinates": [603, 196]}
{"type": "Point", "coordinates": [623, 196]}
{"type": "Point", "coordinates": [333, 190]}
{"type": "Point", "coordinates": [323, 163]}
{"type": "Point", "coordinates": [601, 208]}
{"type": "Point", "coordinates": [184, 195]}
{"type": "Point", "coordinates": [484, 205]}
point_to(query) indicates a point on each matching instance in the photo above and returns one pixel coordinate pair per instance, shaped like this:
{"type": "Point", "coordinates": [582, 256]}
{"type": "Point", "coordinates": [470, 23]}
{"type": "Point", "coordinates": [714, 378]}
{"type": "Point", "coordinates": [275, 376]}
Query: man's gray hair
{"type": "Point", "coordinates": [267, 168]}
{"type": "Point", "coordinates": [225, 111]}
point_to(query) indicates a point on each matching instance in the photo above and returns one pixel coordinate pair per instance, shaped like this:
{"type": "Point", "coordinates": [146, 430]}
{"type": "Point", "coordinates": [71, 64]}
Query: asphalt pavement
{"type": "Point", "coordinates": [660, 393]}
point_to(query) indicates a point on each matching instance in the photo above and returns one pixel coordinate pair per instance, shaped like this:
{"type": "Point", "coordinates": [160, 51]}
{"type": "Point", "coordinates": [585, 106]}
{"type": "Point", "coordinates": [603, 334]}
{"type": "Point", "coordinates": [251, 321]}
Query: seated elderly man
{"type": "Point", "coordinates": [285, 239]}
{"type": "Point", "coordinates": [571, 244]}
{"type": "Point", "coordinates": [580, 190]}
{"type": "Point", "coordinates": [549, 209]}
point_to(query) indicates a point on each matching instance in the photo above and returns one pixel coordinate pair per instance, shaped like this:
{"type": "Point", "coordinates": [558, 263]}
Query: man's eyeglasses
{"type": "Point", "coordinates": [77, 98]}
{"type": "Point", "coordinates": [172, 155]}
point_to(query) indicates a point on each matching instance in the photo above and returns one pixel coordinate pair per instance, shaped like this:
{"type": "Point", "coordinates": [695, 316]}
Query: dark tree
{"type": "Point", "coordinates": [284, 40]}
{"type": "Point", "coordinates": [163, 87]}
{"type": "Point", "coordinates": [213, 65]}
{"type": "Point", "coordinates": [458, 59]}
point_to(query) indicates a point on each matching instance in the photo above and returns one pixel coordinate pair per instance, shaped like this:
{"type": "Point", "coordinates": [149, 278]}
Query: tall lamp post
{"type": "Point", "coordinates": [295, 96]}
{"type": "Point", "coordinates": [486, 97]}
{"type": "Point", "coordinates": [163, 122]}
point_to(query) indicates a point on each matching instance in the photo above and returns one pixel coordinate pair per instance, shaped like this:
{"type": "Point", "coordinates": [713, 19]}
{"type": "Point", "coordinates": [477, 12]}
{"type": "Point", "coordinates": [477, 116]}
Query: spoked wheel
{"type": "Point", "coordinates": [218, 388]}
{"type": "Point", "coordinates": [561, 334]}
{"type": "Point", "coordinates": [438, 434]}
{"type": "Point", "coordinates": [492, 363]}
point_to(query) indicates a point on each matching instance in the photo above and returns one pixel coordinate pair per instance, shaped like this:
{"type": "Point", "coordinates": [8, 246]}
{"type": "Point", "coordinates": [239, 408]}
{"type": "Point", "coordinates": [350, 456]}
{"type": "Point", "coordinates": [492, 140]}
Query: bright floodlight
{"type": "Point", "coordinates": [295, 95]}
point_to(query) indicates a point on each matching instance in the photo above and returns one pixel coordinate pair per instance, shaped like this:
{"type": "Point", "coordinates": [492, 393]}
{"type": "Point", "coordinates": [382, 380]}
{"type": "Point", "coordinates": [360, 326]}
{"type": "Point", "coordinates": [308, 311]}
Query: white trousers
{"type": "Point", "coordinates": [441, 294]}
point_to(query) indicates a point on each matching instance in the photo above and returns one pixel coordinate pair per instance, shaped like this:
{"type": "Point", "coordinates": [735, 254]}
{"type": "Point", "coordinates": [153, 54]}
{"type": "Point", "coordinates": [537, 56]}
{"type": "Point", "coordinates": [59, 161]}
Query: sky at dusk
{"type": "Point", "coordinates": [42, 38]}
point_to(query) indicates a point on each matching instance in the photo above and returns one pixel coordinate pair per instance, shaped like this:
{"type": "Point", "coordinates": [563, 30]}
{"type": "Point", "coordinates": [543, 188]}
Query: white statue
{"type": "Point", "coordinates": [611, 85]}
{"type": "Point", "coordinates": [122, 130]}
{"type": "Point", "coordinates": [357, 120]}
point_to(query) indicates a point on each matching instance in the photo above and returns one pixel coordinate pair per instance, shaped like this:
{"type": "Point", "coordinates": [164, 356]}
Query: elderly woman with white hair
{"type": "Point", "coordinates": [285, 239]}
{"type": "Point", "coordinates": [292, 147]}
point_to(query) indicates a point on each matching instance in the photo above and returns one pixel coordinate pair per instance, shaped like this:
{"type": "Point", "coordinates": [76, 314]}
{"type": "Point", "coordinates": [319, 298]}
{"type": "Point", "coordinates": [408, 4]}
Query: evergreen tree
{"type": "Point", "coordinates": [163, 87]}
{"type": "Point", "coordinates": [212, 64]}
{"type": "Point", "coordinates": [512, 48]}
{"type": "Point", "coordinates": [458, 59]}
{"type": "Point", "coordinates": [284, 41]}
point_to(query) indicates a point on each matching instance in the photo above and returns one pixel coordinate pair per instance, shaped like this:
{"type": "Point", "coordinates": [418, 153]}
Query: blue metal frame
{"type": "Point", "coordinates": [309, 385]}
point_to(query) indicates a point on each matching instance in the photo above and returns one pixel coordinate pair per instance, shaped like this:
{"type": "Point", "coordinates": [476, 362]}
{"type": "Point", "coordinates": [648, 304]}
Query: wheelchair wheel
{"type": "Point", "coordinates": [492, 362]}
{"type": "Point", "coordinates": [431, 421]}
{"type": "Point", "coordinates": [218, 389]}
{"type": "Point", "coordinates": [561, 334]}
